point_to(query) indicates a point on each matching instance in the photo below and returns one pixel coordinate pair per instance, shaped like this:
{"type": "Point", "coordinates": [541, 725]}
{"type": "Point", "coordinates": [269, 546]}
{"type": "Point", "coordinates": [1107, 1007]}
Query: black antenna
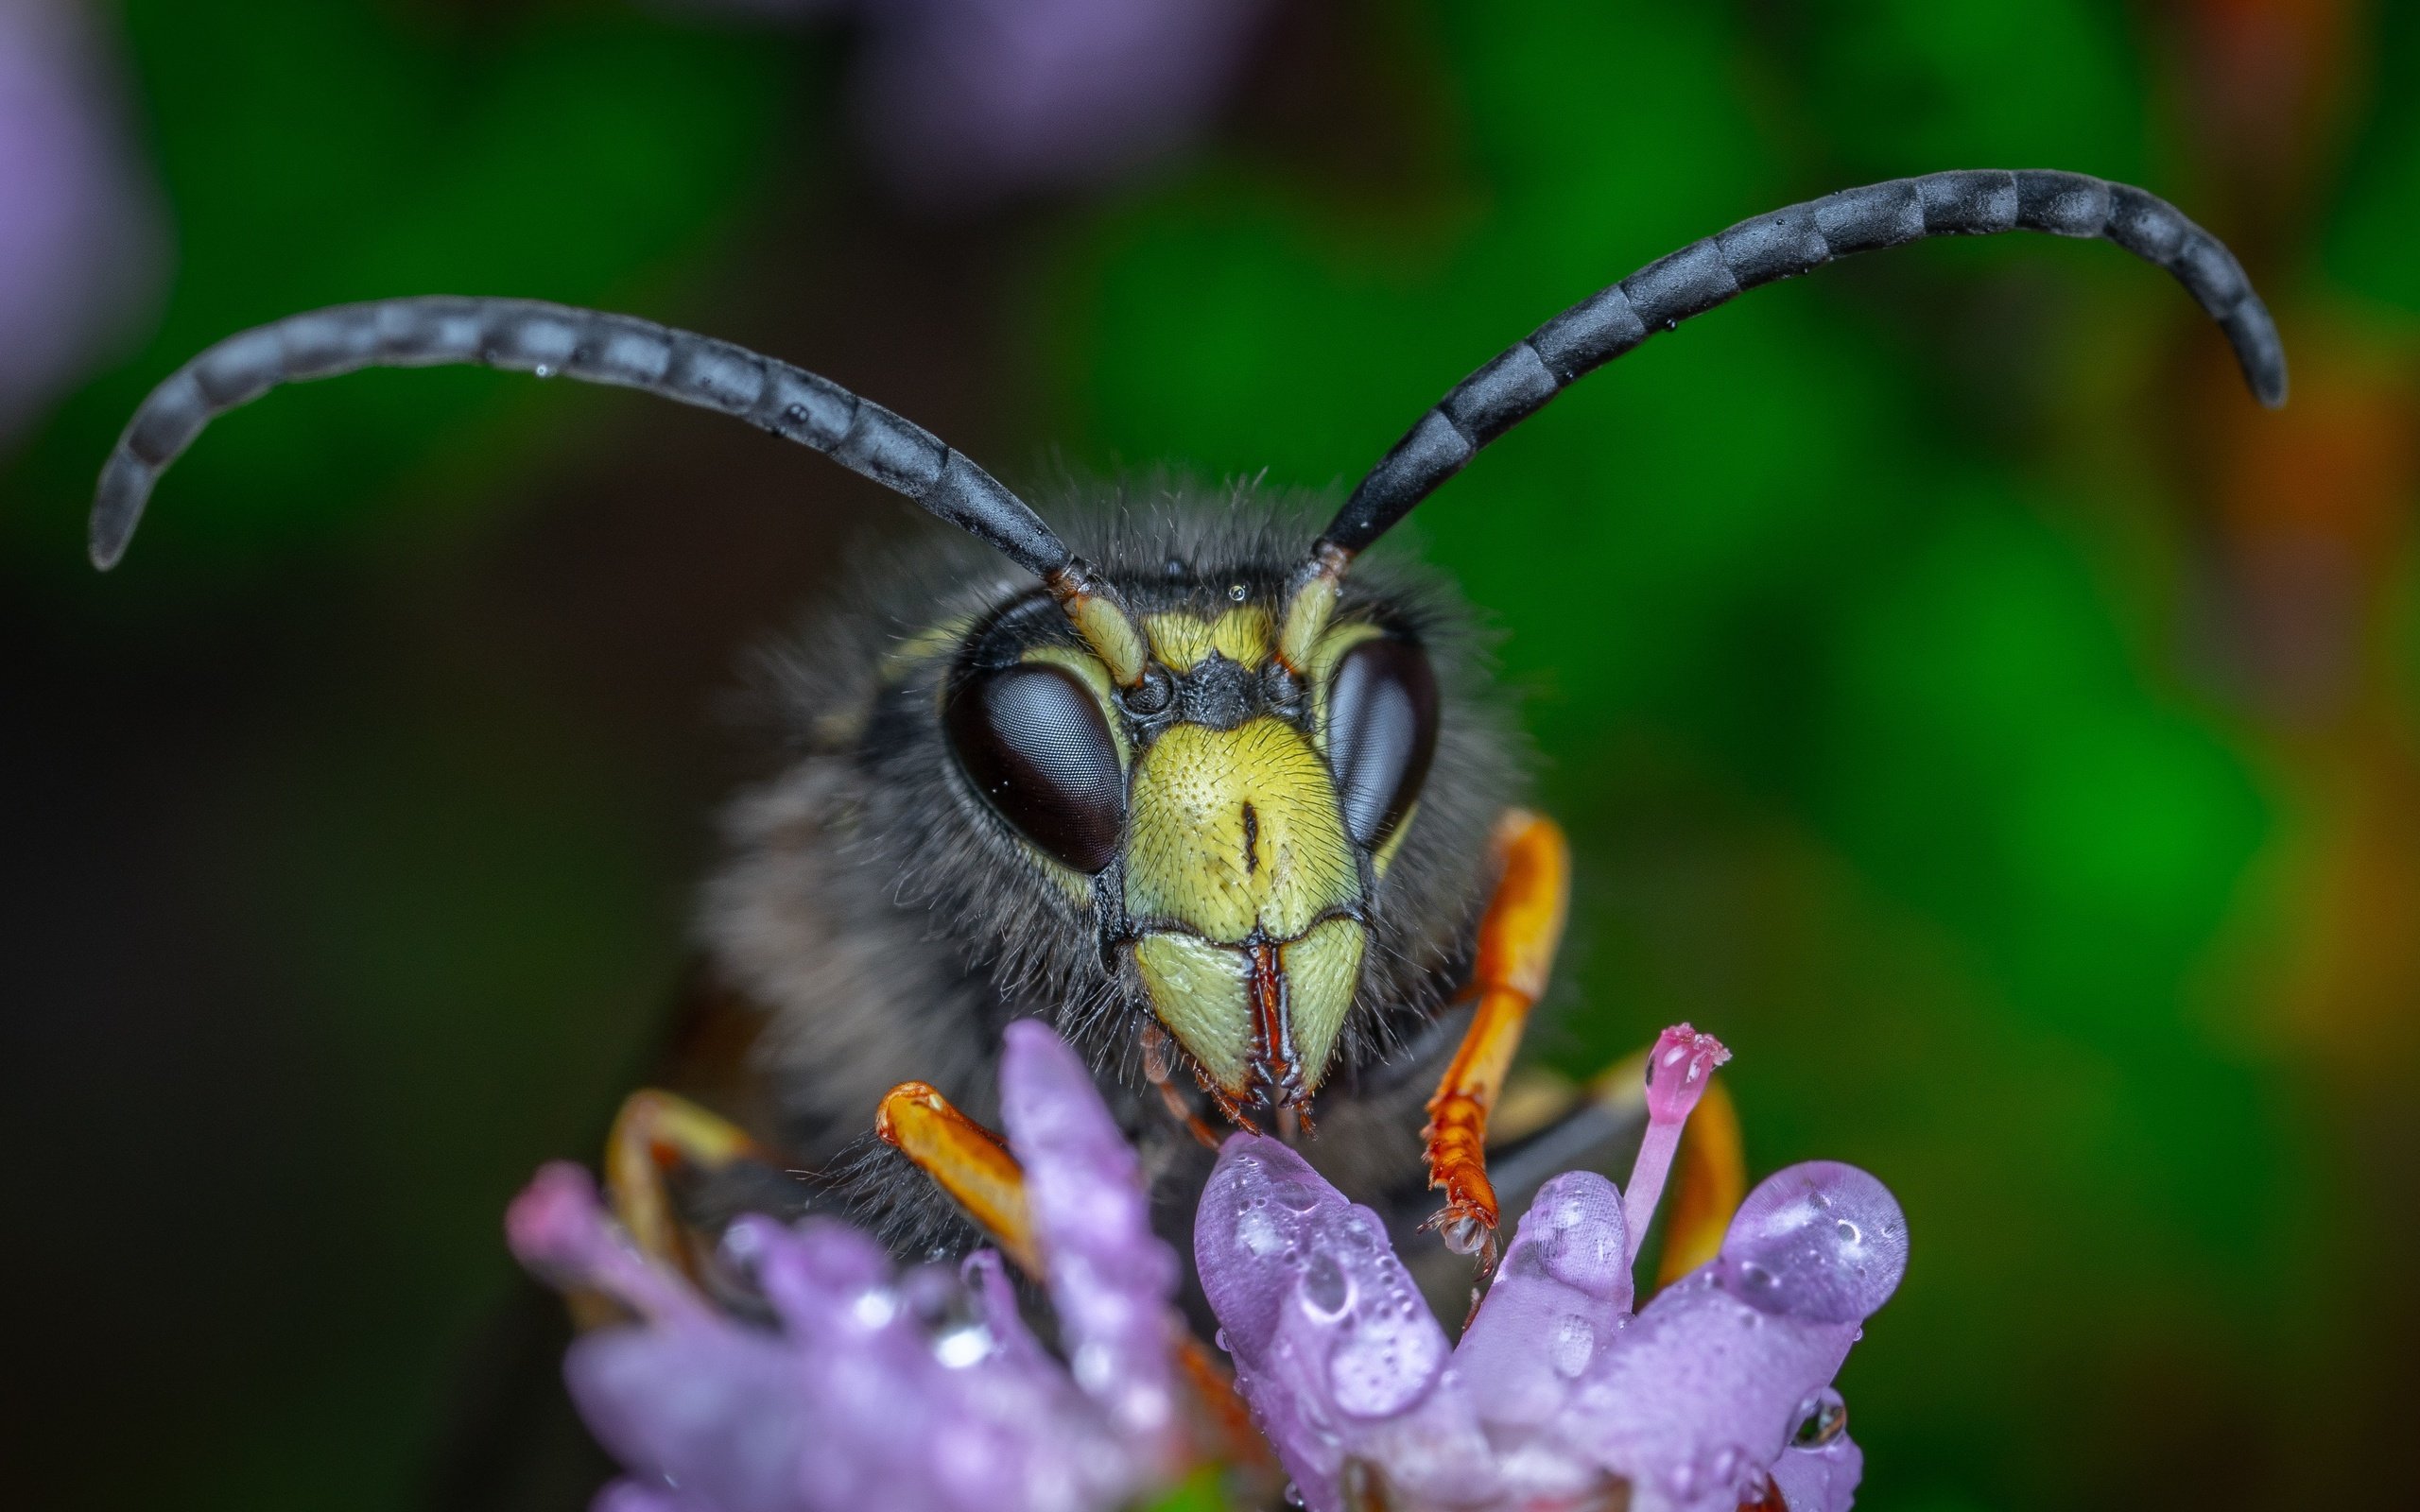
{"type": "Point", "coordinates": [530, 335]}
{"type": "Point", "coordinates": [1783, 244]}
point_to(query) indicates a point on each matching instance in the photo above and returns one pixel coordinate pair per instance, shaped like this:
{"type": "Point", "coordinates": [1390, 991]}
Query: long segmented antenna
{"type": "Point", "coordinates": [534, 336]}
{"type": "Point", "coordinates": [1782, 244]}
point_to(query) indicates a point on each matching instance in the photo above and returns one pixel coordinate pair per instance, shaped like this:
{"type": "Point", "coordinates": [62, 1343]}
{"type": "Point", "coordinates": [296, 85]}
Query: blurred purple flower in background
{"type": "Point", "coordinates": [79, 225]}
{"type": "Point", "coordinates": [963, 102]}
{"type": "Point", "coordinates": [925, 1389]}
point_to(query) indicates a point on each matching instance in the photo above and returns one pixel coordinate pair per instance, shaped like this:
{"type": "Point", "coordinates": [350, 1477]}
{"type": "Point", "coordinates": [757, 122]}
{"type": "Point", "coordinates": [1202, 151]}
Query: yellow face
{"type": "Point", "coordinates": [1251, 828]}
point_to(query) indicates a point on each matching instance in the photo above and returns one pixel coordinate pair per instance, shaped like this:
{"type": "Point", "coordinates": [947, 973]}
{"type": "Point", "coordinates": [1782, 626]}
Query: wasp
{"type": "Point", "coordinates": [1231, 806]}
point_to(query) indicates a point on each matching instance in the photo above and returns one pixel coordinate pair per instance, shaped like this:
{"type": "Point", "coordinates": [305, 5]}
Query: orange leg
{"type": "Point", "coordinates": [1156, 1071]}
{"type": "Point", "coordinates": [654, 1134]}
{"type": "Point", "coordinates": [973, 1166]}
{"type": "Point", "coordinates": [968, 1162]}
{"type": "Point", "coordinates": [1516, 944]}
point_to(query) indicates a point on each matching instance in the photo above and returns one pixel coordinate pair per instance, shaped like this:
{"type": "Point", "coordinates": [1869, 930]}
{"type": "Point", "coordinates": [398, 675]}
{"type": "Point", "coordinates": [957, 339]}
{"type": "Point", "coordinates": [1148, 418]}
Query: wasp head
{"type": "Point", "coordinates": [1228, 818]}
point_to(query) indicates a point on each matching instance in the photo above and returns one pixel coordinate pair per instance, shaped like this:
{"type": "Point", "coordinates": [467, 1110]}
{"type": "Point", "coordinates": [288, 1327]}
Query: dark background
{"type": "Point", "coordinates": [1964, 701]}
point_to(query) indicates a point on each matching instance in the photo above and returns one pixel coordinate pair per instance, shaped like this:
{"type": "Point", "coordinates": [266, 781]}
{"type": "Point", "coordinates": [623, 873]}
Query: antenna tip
{"type": "Point", "coordinates": [117, 506]}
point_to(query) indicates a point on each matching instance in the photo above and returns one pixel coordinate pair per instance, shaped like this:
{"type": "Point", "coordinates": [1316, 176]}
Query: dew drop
{"type": "Point", "coordinates": [959, 1348]}
{"type": "Point", "coordinates": [873, 1307]}
{"type": "Point", "coordinates": [1298, 1196]}
{"type": "Point", "coordinates": [1575, 1343]}
{"type": "Point", "coordinates": [1327, 1291]}
{"type": "Point", "coordinates": [1237, 592]}
{"type": "Point", "coordinates": [1820, 1419]}
{"type": "Point", "coordinates": [543, 369]}
{"type": "Point", "coordinates": [1257, 1234]}
{"type": "Point", "coordinates": [1849, 1232]}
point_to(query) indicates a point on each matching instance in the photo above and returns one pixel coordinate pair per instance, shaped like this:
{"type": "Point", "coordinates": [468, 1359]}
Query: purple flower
{"type": "Point", "coordinates": [924, 1389]}
{"type": "Point", "coordinates": [913, 1391]}
{"type": "Point", "coordinates": [963, 100]}
{"type": "Point", "coordinates": [78, 227]}
{"type": "Point", "coordinates": [1558, 1394]}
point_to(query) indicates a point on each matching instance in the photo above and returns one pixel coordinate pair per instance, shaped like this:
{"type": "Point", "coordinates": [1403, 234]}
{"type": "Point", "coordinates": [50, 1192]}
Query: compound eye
{"type": "Point", "coordinates": [1381, 732]}
{"type": "Point", "coordinates": [1035, 744]}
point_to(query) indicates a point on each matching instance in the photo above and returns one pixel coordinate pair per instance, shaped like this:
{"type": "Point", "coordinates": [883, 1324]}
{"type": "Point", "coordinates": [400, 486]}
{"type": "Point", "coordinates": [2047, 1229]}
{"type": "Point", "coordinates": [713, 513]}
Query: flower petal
{"type": "Point", "coordinates": [1111, 1277]}
{"type": "Point", "coordinates": [712, 1408]}
{"type": "Point", "coordinates": [1563, 1292]}
{"type": "Point", "coordinates": [1821, 1241]}
{"type": "Point", "coordinates": [1334, 1347]}
{"type": "Point", "coordinates": [1702, 1391]}
{"type": "Point", "coordinates": [1820, 1480]}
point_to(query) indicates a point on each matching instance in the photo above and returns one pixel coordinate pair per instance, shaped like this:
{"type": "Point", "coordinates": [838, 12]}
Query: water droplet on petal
{"type": "Point", "coordinates": [963, 1346]}
{"type": "Point", "coordinates": [1575, 1343]}
{"type": "Point", "coordinates": [1259, 1236]}
{"type": "Point", "coordinates": [874, 1308]}
{"type": "Point", "coordinates": [1327, 1291]}
{"type": "Point", "coordinates": [1820, 1418]}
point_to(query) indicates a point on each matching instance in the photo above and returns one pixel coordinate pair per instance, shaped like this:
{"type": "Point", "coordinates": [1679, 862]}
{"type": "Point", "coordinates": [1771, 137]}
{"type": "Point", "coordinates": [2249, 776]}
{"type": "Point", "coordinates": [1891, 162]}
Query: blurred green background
{"type": "Point", "coordinates": [1963, 699]}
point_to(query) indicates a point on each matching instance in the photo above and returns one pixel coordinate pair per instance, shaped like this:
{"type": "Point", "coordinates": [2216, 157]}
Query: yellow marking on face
{"type": "Point", "coordinates": [1200, 991]}
{"type": "Point", "coordinates": [934, 640]}
{"type": "Point", "coordinates": [1322, 970]}
{"type": "Point", "coordinates": [1181, 641]}
{"type": "Point", "coordinates": [1234, 830]}
{"type": "Point", "coordinates": [1243, 634]}
{"type": "Point", "coordinates": [1322, 670]}
{"type": "Point", "coordinates": [1111, 633]}
{"type": "Point", "coordinates": [1386, 856]}
{"type": "Point", "coordinates": [1307, 618]}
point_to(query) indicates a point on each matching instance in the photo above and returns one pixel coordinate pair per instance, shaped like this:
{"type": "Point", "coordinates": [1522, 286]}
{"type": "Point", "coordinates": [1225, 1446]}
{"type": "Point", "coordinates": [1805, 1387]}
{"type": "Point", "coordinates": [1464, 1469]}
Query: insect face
{"type": "Point", "coordinates": [1227, 818]}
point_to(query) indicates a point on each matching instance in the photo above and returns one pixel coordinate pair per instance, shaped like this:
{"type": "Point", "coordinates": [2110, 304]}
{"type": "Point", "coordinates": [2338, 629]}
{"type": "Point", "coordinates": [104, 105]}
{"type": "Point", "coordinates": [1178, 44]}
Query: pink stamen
{"type": "Point", "coordinates": [1678, 1071]}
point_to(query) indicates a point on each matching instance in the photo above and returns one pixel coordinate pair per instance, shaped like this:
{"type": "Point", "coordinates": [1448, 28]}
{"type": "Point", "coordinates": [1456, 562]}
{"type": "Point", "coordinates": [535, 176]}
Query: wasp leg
{"type": "Point", "coordinates": [973, 1166]}
{"type": "Point", "coordinates": [1162, 1080]}
{"type": "Point", "coordinates": [655, 1134]}
{"type": "Point", "coordinates": [1517, 945]}
{"type": "Point", "coordinates": [965, 1159]}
